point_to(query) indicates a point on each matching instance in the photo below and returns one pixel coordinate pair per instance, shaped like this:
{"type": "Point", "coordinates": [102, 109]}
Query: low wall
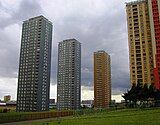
{"type": "Point", "coordinates": [15, 117]}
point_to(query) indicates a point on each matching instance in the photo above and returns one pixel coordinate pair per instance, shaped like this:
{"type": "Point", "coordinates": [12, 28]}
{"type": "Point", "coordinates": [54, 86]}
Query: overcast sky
{"type": "Point", "coordinates": [97, 24]}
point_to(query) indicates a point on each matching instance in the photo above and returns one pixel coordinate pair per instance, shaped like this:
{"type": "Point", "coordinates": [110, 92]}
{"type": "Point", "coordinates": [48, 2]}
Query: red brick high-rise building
{"type": "Point", "coordinates": [154, 13]}
{"type": "Point", "coordinates": [102, 79]}
{"type": "Point", "coordinates": [143, 19]}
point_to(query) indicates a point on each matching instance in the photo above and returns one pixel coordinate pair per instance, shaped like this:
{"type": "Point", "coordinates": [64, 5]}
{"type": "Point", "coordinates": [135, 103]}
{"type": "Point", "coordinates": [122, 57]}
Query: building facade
{"type": "Point", "coordinates": [34, 65]}
{"type": "Point", "coordinates": [87, 103]}
{"type": "Point", "coordinates": [69, 75]}
{"type": "Point", "coordinates": [154, 13]}
{"type": "Point", "coordinates": [7, 98]}
{"type": "Point", "coordinates": [102, 79]}
{"type": "Point", "coordinates": [140, 43]}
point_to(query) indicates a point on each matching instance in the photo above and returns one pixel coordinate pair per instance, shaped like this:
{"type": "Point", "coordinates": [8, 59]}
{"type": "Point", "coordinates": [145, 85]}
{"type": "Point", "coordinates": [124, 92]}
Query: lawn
{"type": "Point", "coordinates": [119, 117]}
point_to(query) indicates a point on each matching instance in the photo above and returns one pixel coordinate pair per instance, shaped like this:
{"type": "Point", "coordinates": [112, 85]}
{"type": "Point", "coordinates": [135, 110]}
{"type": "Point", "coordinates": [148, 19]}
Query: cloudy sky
{"type": "Point", "coordinates": [97, 24]}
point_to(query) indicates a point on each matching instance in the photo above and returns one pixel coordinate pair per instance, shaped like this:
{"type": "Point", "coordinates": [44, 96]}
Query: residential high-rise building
{"type": "Point", "coordinates": [154, 13]}
{"type": "Point", "coordinates": [7, 98]}
{"type": "Point", "coordinates": [69, 74]}
{"type": "Point", "coordinates": [102, 79]}
{"type": "Point", "coordinates": [140, 42]}
{"type": "Point", "coordinates": [34, 65]}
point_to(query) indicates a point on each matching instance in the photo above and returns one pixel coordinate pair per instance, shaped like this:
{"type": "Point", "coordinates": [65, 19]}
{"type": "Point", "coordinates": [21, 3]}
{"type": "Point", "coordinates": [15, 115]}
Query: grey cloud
{"type": "Point", "coordinates": [96, 31]}
{"type": "Point", "coordinates": [106, 32]}
{"type": "Point", "coordinates": [27, 9]}
{"type": "Point", "coordinates": [0, 3]}
{"type": "Point", "coordinates": [10, 38]}
{"type": "Point", "coordinates": [9, 51]}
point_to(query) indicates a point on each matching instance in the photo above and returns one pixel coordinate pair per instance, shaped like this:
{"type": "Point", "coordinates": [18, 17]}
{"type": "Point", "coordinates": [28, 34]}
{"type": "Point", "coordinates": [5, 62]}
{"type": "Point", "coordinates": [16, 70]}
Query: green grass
{"type": "Point", "coordinates": [120, 117]}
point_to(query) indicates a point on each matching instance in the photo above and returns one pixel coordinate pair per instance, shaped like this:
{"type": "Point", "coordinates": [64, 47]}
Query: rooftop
{"type": "Point", "coordinates": [100, 51]}
{"type": "Point", "coordinates": [37, 17]}
{"type": "Point", "coordinates": [70, 40]}
{"type": "Point", "coordinates": [135, 2]}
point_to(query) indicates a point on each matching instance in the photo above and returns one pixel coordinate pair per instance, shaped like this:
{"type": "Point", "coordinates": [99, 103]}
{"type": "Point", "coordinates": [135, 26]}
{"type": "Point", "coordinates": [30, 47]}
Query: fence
{"type": "Point", "coordinates": [16, 117]}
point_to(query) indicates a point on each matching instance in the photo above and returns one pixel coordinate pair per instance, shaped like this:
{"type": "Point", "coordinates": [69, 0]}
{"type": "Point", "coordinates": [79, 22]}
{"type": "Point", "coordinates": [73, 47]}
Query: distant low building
{"type": "Point", "coordinates": [7, 98]}
{"type": "Point", "coordinates": [121, 104]}
{"type": "Point", "coordinates": [87, 103]}
{"type": "Point", "coordinates": [52, 104]}
{"type": "Point", "coordinates": [52, 101]}
{"type": "Point", "coordinates": [123, 101]}
{"type": "Point", "coordinates": [2, 104]}
{"type": "Point", "coordinates": [112, 103]}
{"type": "Point", "coordinates": [11, 103]}
{"type": "Point", "coordinates": [7, 106]}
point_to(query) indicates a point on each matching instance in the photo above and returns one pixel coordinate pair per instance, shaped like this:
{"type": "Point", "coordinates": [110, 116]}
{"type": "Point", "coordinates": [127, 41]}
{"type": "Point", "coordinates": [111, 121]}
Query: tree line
{"type": "Point", "coordinates": [142, 95]}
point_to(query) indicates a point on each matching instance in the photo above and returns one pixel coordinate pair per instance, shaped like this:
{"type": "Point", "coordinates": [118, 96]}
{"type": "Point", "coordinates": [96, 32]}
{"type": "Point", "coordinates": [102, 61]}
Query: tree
{"type": "Point", "coordinates": [152, 91]}
{"type": "Point", "coordinates": [142, 93]}
{"type": "Point", "coordinates": [138, 91]}
{"type": "Point", "coordinates": [145, 92]}
{"type": "Point", "coordinates": [130, 96]}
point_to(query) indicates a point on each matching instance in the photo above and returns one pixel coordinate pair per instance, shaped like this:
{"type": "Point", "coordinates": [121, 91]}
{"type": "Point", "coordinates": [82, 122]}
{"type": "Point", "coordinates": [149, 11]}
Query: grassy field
{"type": "Point", "coordinates": [120, 117]}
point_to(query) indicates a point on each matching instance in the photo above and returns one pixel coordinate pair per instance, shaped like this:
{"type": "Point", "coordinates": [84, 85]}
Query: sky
{"type": "Point", "coordinates": [97, 24]}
